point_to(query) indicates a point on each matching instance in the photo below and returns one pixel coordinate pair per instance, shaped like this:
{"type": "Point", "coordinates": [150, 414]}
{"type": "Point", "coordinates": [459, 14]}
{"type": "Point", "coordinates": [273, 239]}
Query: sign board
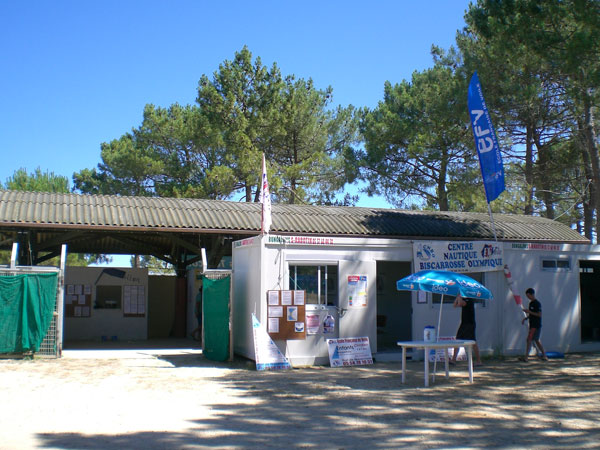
{"type": "Point", "coordinates": [458, 256]}
{"type": "Point", "coordinates": [266, 353]}
{"type": "Point", "coordinates": [78, 300]}
{"type": "Point", "coordinates": [286, 314]}
{"type": "Point", "coordinates": [354, 351]}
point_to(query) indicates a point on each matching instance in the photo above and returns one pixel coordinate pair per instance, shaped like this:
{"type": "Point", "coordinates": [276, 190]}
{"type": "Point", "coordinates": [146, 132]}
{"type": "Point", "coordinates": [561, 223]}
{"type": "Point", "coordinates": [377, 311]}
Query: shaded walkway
{"type": "Point", "coordinates": [182, 400]}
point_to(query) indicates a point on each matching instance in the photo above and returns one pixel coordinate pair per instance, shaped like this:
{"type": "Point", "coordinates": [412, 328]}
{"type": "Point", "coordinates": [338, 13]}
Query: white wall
{"type": "Point", "coordinates": [499, 329]}
{"type": "Point", "coordinates": [247, 294]}
{"type": "Point", "coordinates": [253, 276]}
{"type": "Point", "coordinates": [559, 293]}
{"type": "Point", "coordinates": [106, 322]}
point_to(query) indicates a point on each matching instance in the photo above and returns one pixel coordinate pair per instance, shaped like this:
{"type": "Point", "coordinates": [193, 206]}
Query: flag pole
{"type": "Point", "coordinates": [492, 221]}
{"type": "Point", "coordinates": [265, 199]}
{"type": "Point", "coordinates": [490, 160]}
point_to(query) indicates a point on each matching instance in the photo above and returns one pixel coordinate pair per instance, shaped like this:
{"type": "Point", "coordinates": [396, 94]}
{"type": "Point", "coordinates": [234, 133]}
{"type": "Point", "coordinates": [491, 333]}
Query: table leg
{"type": "Point", "coordinates": [426, 359]}
{"type": "Point", "coordinates": [446, 363]}
{"type": "Point", "coordinates": [403, 364]}
{"type": "Point", "coordinates": [470, 355]}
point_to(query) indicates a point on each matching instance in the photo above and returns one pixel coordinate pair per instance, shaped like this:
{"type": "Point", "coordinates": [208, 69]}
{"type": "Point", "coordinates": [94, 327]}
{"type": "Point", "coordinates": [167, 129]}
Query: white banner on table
{"type": "Point", "coordinates": [438, 354]}
{"type": "Point", "coordinates": [354, 351]}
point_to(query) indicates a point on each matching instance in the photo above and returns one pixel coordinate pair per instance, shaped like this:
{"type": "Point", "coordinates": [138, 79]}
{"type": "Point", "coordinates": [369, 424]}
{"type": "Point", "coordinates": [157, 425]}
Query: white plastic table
{"type": "Point", "coordinates": [445, 345]}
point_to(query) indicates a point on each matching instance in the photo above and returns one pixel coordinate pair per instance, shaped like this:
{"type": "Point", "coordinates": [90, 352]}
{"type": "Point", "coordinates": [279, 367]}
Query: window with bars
{"type": "Point", "coordinates": [319, 281]}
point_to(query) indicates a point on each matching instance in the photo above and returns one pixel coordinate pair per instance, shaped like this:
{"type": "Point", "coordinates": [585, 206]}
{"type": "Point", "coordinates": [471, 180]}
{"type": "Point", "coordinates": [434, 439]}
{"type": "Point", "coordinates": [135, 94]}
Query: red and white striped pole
{"type": "Point", "coordinates": [513, 288]}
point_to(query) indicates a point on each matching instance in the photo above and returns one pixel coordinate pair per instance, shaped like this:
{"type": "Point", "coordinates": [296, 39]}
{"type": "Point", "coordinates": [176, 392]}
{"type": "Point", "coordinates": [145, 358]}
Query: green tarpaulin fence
{"type": "Point", "coordinates": [215, 311]}
{"type": "Point", "coordinates": [27, 303]}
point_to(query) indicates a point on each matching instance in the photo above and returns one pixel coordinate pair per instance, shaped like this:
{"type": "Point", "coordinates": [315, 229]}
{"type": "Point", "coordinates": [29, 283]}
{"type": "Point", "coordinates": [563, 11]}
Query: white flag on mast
{"type": "Point", "coordinates": [265, 199]}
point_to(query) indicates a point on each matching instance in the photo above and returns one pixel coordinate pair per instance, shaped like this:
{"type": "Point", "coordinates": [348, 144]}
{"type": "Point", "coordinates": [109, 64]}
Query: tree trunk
{"type": "Point", "coordinates": [442, 193]}
{"type": "Point", "coordinates": [589, 192]}
{"type": "Point", "coordinates": [544, 178]}
{"type": "Point", "coordinates": [529, 171]}
{"type": "Point", "coordinates": [591, 148]}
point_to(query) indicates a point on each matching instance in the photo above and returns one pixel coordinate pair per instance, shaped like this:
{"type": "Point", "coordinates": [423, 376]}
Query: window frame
{"type": "Point", "coordinates": [319, 265]}
{"type": "Point", "coordinates": [556, 267]}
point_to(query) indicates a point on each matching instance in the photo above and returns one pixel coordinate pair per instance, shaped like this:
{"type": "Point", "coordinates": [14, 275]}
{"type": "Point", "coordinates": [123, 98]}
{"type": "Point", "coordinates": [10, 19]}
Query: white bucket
{"type": "Point", "coordinates": [429, 334]}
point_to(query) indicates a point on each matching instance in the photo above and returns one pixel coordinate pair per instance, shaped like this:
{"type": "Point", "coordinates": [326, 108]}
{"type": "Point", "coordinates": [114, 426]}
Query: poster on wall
{"type": "Point", "coordinates": [273, 297]}
{"type": "Point", "coordinates": [313, 323]}
{"type": "Point", "coordinates": [458, 256]}
{"type": "Point", "coordinates": [357, 291]}
{"type": "Point", "coordinates": [349, 352]}
{"type": "Point", "coordinates": [286, 298]}
{"type": "Point", "coordinates": [298, 297]}
{"type": "Point", "coordinates": [266, 353]}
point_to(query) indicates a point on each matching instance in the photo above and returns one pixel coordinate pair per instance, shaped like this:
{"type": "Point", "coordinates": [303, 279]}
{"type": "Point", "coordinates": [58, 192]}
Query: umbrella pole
{"type": "Point", "coordinates": [437, 336]}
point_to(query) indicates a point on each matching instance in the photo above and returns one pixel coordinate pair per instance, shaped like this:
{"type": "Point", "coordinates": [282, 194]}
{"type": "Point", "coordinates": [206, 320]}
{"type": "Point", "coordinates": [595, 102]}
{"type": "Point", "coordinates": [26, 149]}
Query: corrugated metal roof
{"type": "Point", "coordinates": [172, 214]}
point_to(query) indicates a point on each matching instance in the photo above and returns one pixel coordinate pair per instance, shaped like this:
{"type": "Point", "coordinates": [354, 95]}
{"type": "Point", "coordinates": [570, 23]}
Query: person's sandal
{"type": "Point", "coordinates": [523, 358]}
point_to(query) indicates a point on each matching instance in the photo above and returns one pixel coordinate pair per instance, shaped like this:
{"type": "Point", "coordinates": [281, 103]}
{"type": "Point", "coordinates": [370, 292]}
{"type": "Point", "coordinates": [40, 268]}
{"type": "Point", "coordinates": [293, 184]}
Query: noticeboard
{"type": "Point", "coordinates": [286, 314]}
{"type": "Point", "coordinates": [134, 301]}
{"type": "Point", "coordinates": [78, 300]}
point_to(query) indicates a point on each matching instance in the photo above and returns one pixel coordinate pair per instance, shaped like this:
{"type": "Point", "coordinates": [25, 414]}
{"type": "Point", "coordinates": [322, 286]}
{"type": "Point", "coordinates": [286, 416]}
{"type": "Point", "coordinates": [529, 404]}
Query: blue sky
{"type": "Point", "coordinates": [78, 73]}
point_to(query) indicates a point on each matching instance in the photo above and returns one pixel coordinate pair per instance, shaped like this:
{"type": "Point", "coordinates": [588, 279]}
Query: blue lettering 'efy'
{"type": "Point", "coordinates": [486, 142]}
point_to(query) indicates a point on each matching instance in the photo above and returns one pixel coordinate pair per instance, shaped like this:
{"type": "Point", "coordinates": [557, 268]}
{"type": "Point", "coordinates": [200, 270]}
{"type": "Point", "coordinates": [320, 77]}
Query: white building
{"type": "Point", "coordinates": [334, 270]}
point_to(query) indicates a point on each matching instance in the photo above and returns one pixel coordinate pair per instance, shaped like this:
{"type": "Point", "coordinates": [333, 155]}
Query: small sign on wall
{"type": "Point", "coordinates": [357, 291]}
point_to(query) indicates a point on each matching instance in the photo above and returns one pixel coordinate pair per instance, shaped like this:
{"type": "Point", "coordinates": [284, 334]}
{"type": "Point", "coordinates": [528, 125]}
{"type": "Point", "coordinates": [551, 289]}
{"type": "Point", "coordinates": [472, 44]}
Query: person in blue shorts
{"type": "Point", "coordinates": [466, 330]}
{"type": "Point", "coordinates": [534, 315]}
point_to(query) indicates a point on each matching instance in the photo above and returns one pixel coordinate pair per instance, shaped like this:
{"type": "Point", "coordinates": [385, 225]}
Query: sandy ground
{"type": "Point", "coordinates": [176, 399]}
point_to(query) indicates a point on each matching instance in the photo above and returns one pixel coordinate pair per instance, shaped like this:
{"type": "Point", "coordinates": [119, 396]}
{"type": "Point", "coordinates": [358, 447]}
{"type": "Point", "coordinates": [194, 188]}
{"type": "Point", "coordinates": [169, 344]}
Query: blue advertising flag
{"type": "Point", "coordinates": [486, 142]}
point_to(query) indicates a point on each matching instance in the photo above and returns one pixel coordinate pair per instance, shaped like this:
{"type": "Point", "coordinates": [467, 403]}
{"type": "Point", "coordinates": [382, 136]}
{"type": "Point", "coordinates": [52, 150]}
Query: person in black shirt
{"type": "Point", "coordinates": [466, 330]}
{"type": "Point", "coordinates": [534, 315]}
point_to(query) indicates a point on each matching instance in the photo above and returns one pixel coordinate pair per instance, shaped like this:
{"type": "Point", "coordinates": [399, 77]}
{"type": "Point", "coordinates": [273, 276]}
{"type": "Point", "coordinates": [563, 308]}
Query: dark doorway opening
{"type": "Point", "coordinates": [589, 281]}
{"type": "Point", "coordinates": [394, 308]}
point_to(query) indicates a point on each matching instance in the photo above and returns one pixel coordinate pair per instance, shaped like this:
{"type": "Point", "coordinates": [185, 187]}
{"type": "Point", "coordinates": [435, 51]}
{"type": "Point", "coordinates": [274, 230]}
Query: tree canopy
{"type": "Point", "coordinates": [213, 149]}
{"type": "Point", "coordinates": [417, 143]}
